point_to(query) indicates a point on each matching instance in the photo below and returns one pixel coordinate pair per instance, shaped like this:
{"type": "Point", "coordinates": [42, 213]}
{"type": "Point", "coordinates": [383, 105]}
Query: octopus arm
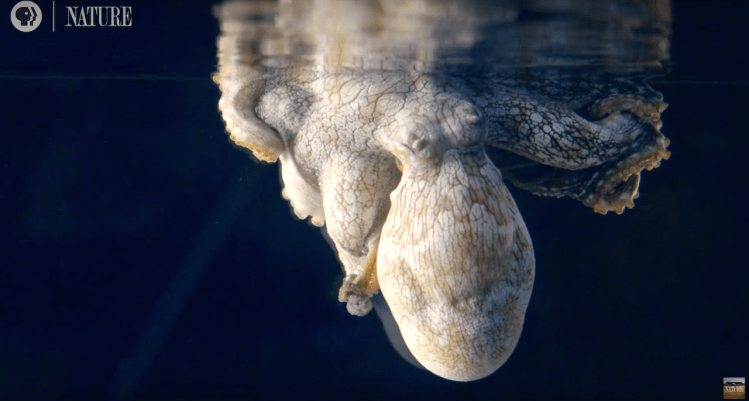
{"type": "Point", "coordinates": [241, 88]}
{"type": "Point", "coordinates": [597, 159]}
{"type": "Point", "coordinates": [612, 186]}
{"type": "Point", "coordinates": [355, 200]}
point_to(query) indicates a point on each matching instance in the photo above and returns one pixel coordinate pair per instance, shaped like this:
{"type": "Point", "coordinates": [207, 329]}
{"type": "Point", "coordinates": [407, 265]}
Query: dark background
{"type": "Point", "coordinates": [118, 185]}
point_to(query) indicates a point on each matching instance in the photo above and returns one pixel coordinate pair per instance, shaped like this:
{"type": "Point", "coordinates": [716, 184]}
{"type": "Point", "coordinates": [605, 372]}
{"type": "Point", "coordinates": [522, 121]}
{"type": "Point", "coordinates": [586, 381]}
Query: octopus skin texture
{"type": "Point", "coordinates": [401, 168]}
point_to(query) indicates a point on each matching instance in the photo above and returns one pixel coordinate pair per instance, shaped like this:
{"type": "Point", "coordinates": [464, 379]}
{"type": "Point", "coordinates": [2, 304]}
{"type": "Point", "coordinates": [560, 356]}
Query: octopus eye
{"type": "Point", "coordinates": [423, 144]}
{"type": "Point", "coordinates": [468, 113]}
{"type": "Point", "coordinates": [417, 142]}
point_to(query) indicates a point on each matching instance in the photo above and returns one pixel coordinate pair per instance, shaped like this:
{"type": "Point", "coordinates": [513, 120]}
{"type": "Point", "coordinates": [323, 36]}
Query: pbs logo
{"type": "Point", "coordinates": [26, 16]}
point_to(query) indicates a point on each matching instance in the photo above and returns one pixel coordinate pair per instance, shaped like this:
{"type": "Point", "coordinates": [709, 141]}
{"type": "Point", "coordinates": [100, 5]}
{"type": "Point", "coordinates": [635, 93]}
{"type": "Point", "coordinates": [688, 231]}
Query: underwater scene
{"type": "Point", "coordinates": [376, 199]}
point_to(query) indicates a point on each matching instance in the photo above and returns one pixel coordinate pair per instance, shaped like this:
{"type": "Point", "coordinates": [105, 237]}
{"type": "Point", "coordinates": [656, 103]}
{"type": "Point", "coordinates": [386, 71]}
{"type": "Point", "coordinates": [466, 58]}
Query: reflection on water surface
{"type": "Point", "coordinates": [392, 120]}
{"type": "Point", "coordinates": [456, 37]}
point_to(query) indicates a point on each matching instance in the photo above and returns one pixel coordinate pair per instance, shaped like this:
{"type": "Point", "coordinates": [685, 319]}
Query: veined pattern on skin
{"type": "Point", "coordinates": [398, 159]}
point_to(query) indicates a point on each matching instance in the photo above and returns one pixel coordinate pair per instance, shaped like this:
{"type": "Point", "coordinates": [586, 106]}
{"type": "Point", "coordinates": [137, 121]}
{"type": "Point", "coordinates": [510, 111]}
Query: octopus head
{"type": "Point", "coordinates": [455, 262]}
{"type": "Point", "coordinates": [422, 136]}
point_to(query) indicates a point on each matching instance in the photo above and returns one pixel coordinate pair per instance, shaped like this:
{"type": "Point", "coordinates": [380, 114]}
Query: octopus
{"type": "Point", "coordinates": [401, 168]}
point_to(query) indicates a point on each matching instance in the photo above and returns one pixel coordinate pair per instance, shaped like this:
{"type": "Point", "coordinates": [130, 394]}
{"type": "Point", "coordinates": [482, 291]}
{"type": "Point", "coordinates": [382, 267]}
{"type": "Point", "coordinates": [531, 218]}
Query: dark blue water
{"type": "Point", "coordinates": [118, 185]}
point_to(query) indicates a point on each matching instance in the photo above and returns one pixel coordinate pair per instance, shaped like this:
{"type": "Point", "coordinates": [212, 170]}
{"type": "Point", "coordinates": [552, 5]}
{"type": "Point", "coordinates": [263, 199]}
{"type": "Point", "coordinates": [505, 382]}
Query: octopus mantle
{"type": "Point", "coordinates": [395, 164]}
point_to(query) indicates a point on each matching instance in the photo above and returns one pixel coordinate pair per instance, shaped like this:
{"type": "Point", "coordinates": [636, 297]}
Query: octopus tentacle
{"type": "Point", "coordinates": [612, 186]}
{"type": "Point", "coordinates": [237, 105]}
{"type": "Point", "coordinates": [599, 151]}
{"type": "Point", "coordinates": [355, 201]}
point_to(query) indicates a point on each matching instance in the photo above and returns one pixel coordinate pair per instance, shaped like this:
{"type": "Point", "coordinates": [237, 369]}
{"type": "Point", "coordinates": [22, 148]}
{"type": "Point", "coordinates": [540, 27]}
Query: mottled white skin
{"type": "Point", "coordinates": [443, 240]}
{"type": "Point", "coordinates": [456, 265]}
{"type": "Point", "coordinates": [455, 262]}
{"type": "Point", "coordinates": [389, 151]}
